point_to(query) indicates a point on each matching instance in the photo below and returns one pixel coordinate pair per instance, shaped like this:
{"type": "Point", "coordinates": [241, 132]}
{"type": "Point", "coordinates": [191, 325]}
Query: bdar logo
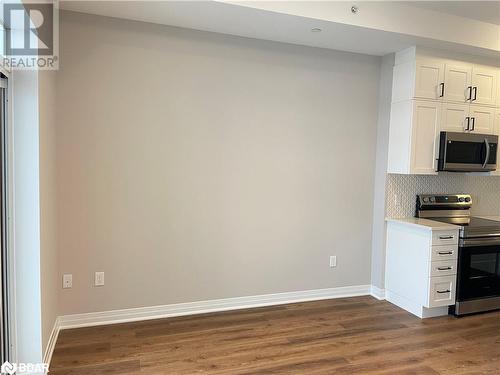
{"type": "Point", "coordinates": [8, 368]}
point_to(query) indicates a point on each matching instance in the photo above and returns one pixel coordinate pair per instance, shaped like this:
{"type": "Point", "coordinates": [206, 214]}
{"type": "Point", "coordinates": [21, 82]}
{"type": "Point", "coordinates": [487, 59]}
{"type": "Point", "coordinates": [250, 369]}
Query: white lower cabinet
{"type": "Point", "coordinates": [443, 268]}
{"type": "Point", "coordinates": [442, 291]}
{"type": "Point", "coordinates": [421, 268]}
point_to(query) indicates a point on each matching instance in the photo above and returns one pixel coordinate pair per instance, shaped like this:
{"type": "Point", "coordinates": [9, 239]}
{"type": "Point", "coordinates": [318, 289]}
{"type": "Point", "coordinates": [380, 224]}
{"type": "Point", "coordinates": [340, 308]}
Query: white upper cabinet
{"type": "Point", "coordinates": [498, 88]}
{"type": "Point", "coordinates": [418, 79]}
{"type": "Point", "coordinates": [425, 130]}
{"type": "Point", "coordinates": [457, 82]}
{"type": "Point", "coordinates": [429, 79]}
{"type": "Point", "coordinates": [455, 117]}
{"type": "Point", "coordinates": [469, 118]}
{"type": "Point", "coordinates": [484, 85]}
{"type": "Point", "coordinates": [497, 132]}
{"type": "Point", "coordinates": [413, 136]}
{"type": "Point", "coordinates": [430, 95]}
{"type": "Point", "coordinates": [482, 119]}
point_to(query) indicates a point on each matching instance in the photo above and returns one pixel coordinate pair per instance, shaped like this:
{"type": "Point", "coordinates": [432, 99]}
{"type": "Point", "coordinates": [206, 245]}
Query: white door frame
{"type": "Point", "coordinates": [9, 155]}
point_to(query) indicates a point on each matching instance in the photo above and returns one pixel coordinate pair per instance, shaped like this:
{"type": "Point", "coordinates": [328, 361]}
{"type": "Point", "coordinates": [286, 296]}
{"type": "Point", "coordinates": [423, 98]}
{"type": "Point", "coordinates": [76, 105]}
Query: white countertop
{"type": "Point", "coordinates": [424, 223]}
{"type": "Point", "coordinates": [496, 218]}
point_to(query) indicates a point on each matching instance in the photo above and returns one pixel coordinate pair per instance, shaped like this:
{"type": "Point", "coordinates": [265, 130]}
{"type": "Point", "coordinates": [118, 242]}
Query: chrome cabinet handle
{"type": "Point", "coordinates": [445, 252]}
{"type": "Point", "coordinates": [443, 291]}
{"type": "Point", "coordinates": [475, 94]}
{"type": "Point", "coordinates": [470, 92]}
{"type": "Point", "coordinates": [473, 123]}
{"type": "Point", "coordinates": [444, 268]}
{"type": "Point", "coordinates": [442, 89]}
{"type": "Point", "coordinates": [445, 237]}
{"type": "Point", "coordinates": [468, 123]}
{"type": "Point", "coordinates": [487, 158]}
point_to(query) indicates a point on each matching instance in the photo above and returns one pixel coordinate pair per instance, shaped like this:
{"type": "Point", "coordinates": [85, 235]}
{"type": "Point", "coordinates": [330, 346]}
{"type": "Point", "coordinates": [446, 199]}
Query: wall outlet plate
{"type": "Point", "coordinates": [67, 281]}
{"type": "Point", "coordinates": [333, 261]}
{"type": "Point", "coordinates": [99, 279]}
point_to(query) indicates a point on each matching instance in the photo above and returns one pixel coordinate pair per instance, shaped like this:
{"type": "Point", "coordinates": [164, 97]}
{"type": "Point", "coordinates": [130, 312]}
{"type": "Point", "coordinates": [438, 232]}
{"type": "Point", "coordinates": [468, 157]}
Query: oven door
{"type": "Point", "coordinates": [478, 269]}
{"type": "Point", "coordinates": [467, 152]}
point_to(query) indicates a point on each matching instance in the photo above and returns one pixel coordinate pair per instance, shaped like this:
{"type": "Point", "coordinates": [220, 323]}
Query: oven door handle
{"type": "Point", "coordinates": [480, 241]}
{"type": "Point", "coordinates": [487, 158]}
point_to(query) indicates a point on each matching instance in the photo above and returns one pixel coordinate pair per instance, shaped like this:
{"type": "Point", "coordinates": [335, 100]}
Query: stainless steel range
{"type": "Point", "coordinates": [478, 275]}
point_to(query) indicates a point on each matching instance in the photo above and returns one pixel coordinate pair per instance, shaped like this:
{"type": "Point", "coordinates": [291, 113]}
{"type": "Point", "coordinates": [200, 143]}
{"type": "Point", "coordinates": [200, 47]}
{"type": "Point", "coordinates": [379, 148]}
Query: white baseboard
{"type": "Point", "coordinates": [49, 350]}
{"type": "Point", "coordinates": [202, 307]}
{"type": "Point", "coordinates": [378, 293]}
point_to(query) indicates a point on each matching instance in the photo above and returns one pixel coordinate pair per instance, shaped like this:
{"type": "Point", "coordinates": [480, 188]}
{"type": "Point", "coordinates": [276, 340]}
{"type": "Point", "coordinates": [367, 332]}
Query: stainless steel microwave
{"type": "Point", "coordinates": [467, 152]}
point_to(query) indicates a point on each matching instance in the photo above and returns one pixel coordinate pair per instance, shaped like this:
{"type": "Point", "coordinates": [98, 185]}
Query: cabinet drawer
{"type": "Point", "coordinates": [445, 252]}
{"type": "Point", "coordinates": [445, 237]}
{"type": "Point", "coordinates": [443, 268]}
{"type": "Point", "coordinates": [442, 291]}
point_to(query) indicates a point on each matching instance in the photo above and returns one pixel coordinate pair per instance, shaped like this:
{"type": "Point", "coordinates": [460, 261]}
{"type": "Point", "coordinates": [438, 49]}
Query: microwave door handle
{"type": "Point", "coordinates": [487, 152]}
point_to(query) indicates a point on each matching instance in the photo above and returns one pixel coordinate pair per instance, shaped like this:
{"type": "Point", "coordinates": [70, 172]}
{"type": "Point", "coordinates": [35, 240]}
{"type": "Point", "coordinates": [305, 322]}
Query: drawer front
{"type": "Point", "coordinates": [445, 252]}
{"type": "Point", "coordinates": [445, 237]}
{"type": "Point", "coordinates": [442, 291]}
{"type": "Point", "coordinates": [443, 268]}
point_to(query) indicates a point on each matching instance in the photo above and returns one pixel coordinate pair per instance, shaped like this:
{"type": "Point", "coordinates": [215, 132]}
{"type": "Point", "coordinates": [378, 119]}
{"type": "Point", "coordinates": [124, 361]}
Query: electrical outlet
{"type": "Point", "coordinates": [67, 281]}
{"type": "Point", "coordinates": [333, 261]}
{"type": "Point", "coordinates": [99, 279]}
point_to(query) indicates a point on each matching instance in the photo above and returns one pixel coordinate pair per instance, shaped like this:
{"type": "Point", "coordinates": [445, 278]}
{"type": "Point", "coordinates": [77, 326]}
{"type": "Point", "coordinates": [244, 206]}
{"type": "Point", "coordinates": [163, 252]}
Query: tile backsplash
{"type": "Point", "coordinates": [401, 191]}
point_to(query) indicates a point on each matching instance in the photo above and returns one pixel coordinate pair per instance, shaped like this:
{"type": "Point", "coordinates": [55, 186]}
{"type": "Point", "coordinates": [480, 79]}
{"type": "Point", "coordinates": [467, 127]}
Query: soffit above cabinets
{"type": "Point", "coordinates": [377, 28]}
{"type": "Point", "coordinates": [485, 11]}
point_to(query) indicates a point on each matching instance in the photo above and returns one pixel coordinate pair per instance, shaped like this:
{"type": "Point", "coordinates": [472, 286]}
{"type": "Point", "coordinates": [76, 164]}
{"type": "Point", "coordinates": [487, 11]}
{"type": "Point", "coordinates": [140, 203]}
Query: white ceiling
{"type": "Point", "coordinates": [248, 19]}
{"type": "Point", "coordinates": [249, 22]}
{"type": "Point", "coordinates": [485, 11]}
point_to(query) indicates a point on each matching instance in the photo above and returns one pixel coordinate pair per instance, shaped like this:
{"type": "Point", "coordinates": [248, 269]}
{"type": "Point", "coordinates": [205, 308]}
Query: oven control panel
{"type": "Point", "coordinates": [429, 201]}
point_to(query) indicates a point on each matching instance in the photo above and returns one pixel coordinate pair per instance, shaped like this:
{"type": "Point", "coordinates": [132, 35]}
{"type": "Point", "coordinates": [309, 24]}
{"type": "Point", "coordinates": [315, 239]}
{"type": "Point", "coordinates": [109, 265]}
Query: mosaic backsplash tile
{"type": "Point", "coordinates": [485, 191]}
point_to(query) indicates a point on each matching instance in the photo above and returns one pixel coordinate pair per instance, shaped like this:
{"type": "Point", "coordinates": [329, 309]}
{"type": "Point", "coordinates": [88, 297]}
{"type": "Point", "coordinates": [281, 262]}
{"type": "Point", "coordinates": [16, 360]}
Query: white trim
{"type": "Point", "coordinates": [11, 235]}
{"type": "Point", "coordinates": [202, 307]}
{"type": "Point", "coordinates": [51, 344]}
{"type": "Point", "coordinates": [377, 293]}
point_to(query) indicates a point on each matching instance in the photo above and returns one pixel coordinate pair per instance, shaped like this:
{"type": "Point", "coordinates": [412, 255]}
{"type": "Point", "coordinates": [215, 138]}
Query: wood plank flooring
{"type": "Point", "coordinates": [343, 336]}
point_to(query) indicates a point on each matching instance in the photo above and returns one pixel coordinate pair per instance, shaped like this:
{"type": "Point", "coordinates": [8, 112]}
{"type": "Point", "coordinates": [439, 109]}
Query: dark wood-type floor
{"type": "Point", "coordinates": [343, 336]}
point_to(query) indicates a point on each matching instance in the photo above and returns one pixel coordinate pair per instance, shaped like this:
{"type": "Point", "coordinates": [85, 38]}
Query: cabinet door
{"type": "Point", "coordinates": [428, 79]}
{"type": "Point", "coordinates": [455, 117]}
{"type": "Point", "coordinates": [425, 131]}
{"type": "Point", "coordinates": [457, 82]}
{"type": "Point", "coordinates": [497, 132]}
{"type": "Point", "coordinates": [484, 82]}
{"type": "Point", "coordinates": [482, 119]}
{"type": "Point", "coordinates": [498, 87]}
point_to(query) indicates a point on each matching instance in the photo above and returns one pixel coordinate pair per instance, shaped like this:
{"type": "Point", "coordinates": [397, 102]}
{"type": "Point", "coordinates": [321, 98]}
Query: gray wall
{"type": "Point", "coordinates": [49, 272]}
{"type": "Point", "coordinates": [384, 115]}
{"type": "Point", "coordinates": [196, 166]}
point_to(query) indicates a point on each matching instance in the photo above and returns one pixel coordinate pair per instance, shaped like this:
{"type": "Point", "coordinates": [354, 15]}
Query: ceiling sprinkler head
{"type": "Point", "coordinates": [354, 9]}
